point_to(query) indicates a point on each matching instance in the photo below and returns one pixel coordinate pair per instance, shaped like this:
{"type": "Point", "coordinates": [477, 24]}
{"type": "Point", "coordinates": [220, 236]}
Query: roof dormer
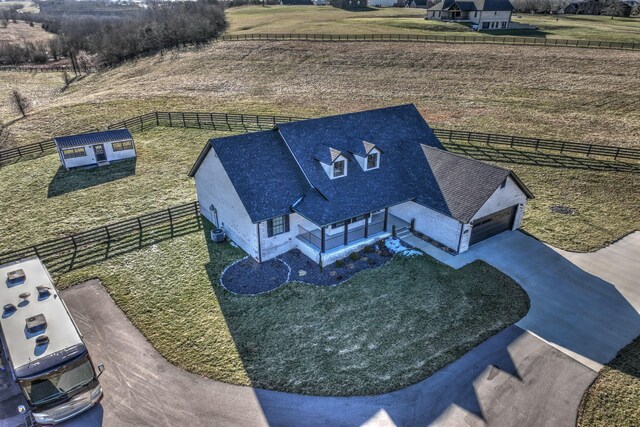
{"type": "Point", "coordinates": [371, 158]}
{"type": "Point", "coordinates": [333, 161]}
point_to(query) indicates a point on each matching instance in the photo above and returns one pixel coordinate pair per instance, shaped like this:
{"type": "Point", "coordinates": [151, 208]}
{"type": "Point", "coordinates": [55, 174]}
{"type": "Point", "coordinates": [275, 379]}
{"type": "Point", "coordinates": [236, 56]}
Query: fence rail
{"type": "Point", "coordinates": [216, 121]}
{"type": "Point", "coordinates": [504, 40]}
{"type": "Point", "coordinates": [252, 122]}
{"type": "Point", "coordinates": [539, 144]}
{"type": "Point", "coordinates": [31, 69]}
{"type": "Point", "coordinates": [99, 243]}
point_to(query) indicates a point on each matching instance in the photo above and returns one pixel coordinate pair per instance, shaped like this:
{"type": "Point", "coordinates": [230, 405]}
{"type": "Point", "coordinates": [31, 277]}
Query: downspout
{"type": "Point", "coordinates": [259, 246]}
{"type": "Point", "coordinates": [460, 238]}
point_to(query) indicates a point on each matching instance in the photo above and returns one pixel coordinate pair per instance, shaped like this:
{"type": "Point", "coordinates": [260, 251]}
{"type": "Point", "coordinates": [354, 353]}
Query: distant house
{"type": "Point", "coordinates": [332, 185]}
{"type": "Point", "coordinates": [487, 14]}
{"type": "Point", "coordinates": [349, 4]}
{"type": "Point", "coordinates": [383, 3]}
{"type": "Point", "coordinates": [95, 148]}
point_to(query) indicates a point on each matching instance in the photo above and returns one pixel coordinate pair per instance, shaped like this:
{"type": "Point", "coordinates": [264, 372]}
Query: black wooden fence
{"type": "Point", "coordinates": [539, 144]}
{"type": "Point", "coordinates": [475, 39]}
{"type": "Point", "coordinates": [215, 121]}
{"type": "Point", "coordinates": [88, 247]}
{"type": "Point", "coordinates": [31, 69]}
{"type": "Point", "coordinates": [251, 122]}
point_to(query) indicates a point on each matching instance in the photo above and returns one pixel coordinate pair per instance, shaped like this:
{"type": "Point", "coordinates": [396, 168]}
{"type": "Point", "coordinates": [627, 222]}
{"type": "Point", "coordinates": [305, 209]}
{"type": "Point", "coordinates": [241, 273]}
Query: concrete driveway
{"type": "Point", "coordinates": [584, 308]}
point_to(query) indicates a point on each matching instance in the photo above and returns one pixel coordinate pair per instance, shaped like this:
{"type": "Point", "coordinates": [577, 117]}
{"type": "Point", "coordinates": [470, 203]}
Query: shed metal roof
{"type": "Point", "coordinates": [91, 138]}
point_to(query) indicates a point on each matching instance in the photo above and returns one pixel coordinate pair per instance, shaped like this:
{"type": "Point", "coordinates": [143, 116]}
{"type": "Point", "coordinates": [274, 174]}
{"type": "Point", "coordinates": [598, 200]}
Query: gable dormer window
{"type": "Point", "coordinates": [373, 160]}
{"type": "Point", "coordinates": [339, 168]}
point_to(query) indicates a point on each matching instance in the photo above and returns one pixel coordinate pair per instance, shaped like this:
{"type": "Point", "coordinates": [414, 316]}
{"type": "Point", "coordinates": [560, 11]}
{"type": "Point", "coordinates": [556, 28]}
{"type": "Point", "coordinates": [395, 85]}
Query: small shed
{"type": "Point", "coordinates": [95, 148]}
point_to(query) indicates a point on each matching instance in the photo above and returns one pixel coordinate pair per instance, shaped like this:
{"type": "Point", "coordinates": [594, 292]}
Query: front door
{"type": "Point", "coordinates": [100, 154]}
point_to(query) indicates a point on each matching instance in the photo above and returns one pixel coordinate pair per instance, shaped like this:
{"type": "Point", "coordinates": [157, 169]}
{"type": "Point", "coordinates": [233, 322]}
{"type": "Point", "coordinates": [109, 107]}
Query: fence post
{"type": "Point", "coordinates": [511, 141]}
{"type": "Point", "coordinates": [106, 230]}
{"type": "Point", "coordinates": [212, 122]}
{"type": "Point", "coordinates": [140, 232]}
{"type": "Point", "coordinates": [589, 150]}
{"type": "Point", "coordinates": [617, 152]}
{"type": "Point", "coordinates": [184, 122]}
{"type": "Point", "coordinates": [170, 122]}
{"type": "Point", "coordinates": [41, 148]}
{"type": "Point", "coordinates": [141, 124]}
{"type": "Point", "coordinates": [170, 221]}
{"type": "Point", "coordinates": [198, 120]}
{"type": "Point", "coordinates": [537, 143]}
{"type": "Point", "coordinates": [157, 119]}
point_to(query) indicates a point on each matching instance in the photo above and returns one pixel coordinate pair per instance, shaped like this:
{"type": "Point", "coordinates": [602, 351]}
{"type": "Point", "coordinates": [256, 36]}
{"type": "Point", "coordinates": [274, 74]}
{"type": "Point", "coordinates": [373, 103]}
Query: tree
{"type": "Point", "coordinates": [614, 8]}
{"type": "Point", "coordinates": [20, 103]}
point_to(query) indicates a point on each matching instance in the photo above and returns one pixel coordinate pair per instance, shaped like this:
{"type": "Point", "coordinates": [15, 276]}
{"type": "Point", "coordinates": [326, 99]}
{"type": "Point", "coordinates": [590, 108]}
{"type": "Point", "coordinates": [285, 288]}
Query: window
{"type": "Point", "coordinates": [485, 25]}
{"type": "Point", "coordinates": [475, 14]}
{"type": "Point", "coordinates": [120, 146]}
{"type": "Point", "coordinates": [504, 184]}
{"type": "Point", "coordinates": [373, 160]}
{"type": "Point", "coordinates": [278, 225]}
{"type": "Point", "coordinates": [503, 24]}
{"type": "Point", "coordinates": [74, 152]}
{"type": "Point", "coordinates": [339, 168]}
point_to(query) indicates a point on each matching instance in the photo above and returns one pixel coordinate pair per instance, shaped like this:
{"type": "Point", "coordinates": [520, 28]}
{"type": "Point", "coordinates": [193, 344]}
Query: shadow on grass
{"type": "Point", "coordinates": [277, 333]}
{"type": "Point", "coordinates": [65, 181]}
{"type": "Point", "coordinates": [539, 158]}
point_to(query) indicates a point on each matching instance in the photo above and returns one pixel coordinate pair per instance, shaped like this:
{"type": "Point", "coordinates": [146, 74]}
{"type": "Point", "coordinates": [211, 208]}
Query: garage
{"type": "Point", "coordinates": [491, 225]}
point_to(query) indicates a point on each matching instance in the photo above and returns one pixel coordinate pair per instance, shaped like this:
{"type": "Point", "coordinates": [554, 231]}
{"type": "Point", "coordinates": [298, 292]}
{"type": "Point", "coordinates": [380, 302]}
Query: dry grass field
{"type": "Point", "coordinates": [329, 20]}
{"type": "Point", "coordinates": [18, 32]}
{"type": "Point", "coordinates": [571, 94]}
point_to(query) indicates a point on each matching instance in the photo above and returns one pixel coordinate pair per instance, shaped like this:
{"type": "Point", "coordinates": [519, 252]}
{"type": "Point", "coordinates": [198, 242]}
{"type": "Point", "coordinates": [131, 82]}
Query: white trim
{"type": "Point", "coordinates": [340, 158]}
{"type": "Point", "coordinates": [366, 159]}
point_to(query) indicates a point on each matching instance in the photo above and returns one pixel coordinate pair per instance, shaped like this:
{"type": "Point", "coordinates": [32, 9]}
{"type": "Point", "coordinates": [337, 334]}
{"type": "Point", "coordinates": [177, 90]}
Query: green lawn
{"type": "Point", "coordinates": [329, 20]}
{"type": "Point", "coordinates": [45, 201]}
{"type": "Point", "coordinates": [382, 330]}
{"type": "Point", "coordinates": [614, 397]}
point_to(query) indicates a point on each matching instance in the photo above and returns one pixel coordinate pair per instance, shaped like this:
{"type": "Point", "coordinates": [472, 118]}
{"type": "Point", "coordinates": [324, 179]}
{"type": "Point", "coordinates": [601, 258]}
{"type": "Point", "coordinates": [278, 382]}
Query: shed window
{"type": "Point", "coordinates": [339, 168]}
{"type": "Point", "coordinates": [373, 160]}
{"type": "Point", "coordinates": [120, 146]}
{"type": "Point", "coordinates": [74, 152]}
{"type": "Point", "coordinates": [278, 225]}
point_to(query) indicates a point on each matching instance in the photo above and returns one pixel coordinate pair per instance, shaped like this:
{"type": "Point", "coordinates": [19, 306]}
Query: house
{"type": "Point", "coordinates": [349, 4]}
{"type": "Point", "coordinates": [296, 3]}
{"type": "Point", "coordinates": [384, 3]}
{"type": "Point", "coordinates": [332, 185]}
{"type": "Point", "coordinates": [487, 14]}
{"type": "Point", "coordinates": [95, 148]}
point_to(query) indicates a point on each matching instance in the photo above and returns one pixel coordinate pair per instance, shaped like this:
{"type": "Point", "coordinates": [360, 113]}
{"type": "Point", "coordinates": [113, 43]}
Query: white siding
{"type": "Point", "coordinates": [437, 226]}
{"type": "Point", "coordinates": [493, 16]}
{"type": "Point", "coordinates": [90, 158]}
{"type": "Point", "coordinates": [276, 245]}
{"type": "Point", "coordinates": [213, 187]}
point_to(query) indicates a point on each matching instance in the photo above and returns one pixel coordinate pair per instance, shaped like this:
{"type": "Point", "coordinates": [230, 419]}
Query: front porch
{"type": "Point", "coordinates": [352, 233]}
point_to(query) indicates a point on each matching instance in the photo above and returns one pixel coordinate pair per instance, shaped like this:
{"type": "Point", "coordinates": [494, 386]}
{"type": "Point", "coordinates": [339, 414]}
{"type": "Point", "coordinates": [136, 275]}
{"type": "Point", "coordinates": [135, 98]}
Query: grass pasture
{"type": "Point", "coordinates": [21, 31]}
{"type": "Point", "coordinates": [329, 20]}
{"type": "Point", "coordinates": [614, 397]}
{"type": "Point", "coordinates": [382, 330]}
{"type": "Point", "coordinates": [47, 202]}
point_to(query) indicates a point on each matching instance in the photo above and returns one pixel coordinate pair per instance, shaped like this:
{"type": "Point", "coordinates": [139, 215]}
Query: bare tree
{"type": "Point", "coordinates": [20, 103]}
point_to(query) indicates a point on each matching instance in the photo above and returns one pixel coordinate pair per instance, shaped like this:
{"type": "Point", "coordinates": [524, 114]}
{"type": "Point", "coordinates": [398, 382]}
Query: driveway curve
{"type": "Point", "coordinates": [584, 308]}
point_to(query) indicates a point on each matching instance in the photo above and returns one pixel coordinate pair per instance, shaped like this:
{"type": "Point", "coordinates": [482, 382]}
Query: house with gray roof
{"type": "Point", "coordinates": [486, 14]}
{"type": "Point", "coordinates": [95, 148]}
{"type": "Point", "coordinates": [332, 185]}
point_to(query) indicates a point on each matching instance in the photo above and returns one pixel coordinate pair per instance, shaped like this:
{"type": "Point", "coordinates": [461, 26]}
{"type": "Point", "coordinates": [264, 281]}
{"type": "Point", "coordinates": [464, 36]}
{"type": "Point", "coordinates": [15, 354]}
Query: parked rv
{"type": "Point", "coordinates": [43, 347]}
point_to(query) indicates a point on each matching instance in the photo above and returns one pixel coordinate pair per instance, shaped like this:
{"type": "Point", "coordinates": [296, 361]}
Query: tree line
{"type": "Point", "coordinates": [90, 40]}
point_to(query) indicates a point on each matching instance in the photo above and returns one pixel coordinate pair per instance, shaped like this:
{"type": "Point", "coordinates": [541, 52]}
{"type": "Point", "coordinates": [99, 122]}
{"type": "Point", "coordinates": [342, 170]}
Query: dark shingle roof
{"type": "Point", "coordinates": [263, 172]}
{"type": "Point", "coordinates": [488, 5]}
{"type": "Point", "coordinates": [277, 171]}
{"type": "Point", "coordinates": [104, 137]}
{"type": "Point", "coordinates": [466, 184]}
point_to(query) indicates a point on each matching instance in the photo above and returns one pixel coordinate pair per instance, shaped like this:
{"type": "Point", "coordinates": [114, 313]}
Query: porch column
{"type": "Point", "coordinates": [366, 226]}
{"type": "Point", "coordinates": [386, 219]}
{"type": "Point", "coordinates": [322, 240]}
{"type": "Point", "coordinates": [346, 233]}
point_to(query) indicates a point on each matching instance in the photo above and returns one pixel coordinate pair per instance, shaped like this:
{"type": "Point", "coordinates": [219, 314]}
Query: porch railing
{"type": "Point", "coordinates": [332, 241]}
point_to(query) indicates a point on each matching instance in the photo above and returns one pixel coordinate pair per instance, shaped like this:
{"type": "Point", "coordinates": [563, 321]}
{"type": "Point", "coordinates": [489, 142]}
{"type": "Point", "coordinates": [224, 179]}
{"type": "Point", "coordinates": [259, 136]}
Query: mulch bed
{"type": "Point", "coordinates": [248, 277]}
